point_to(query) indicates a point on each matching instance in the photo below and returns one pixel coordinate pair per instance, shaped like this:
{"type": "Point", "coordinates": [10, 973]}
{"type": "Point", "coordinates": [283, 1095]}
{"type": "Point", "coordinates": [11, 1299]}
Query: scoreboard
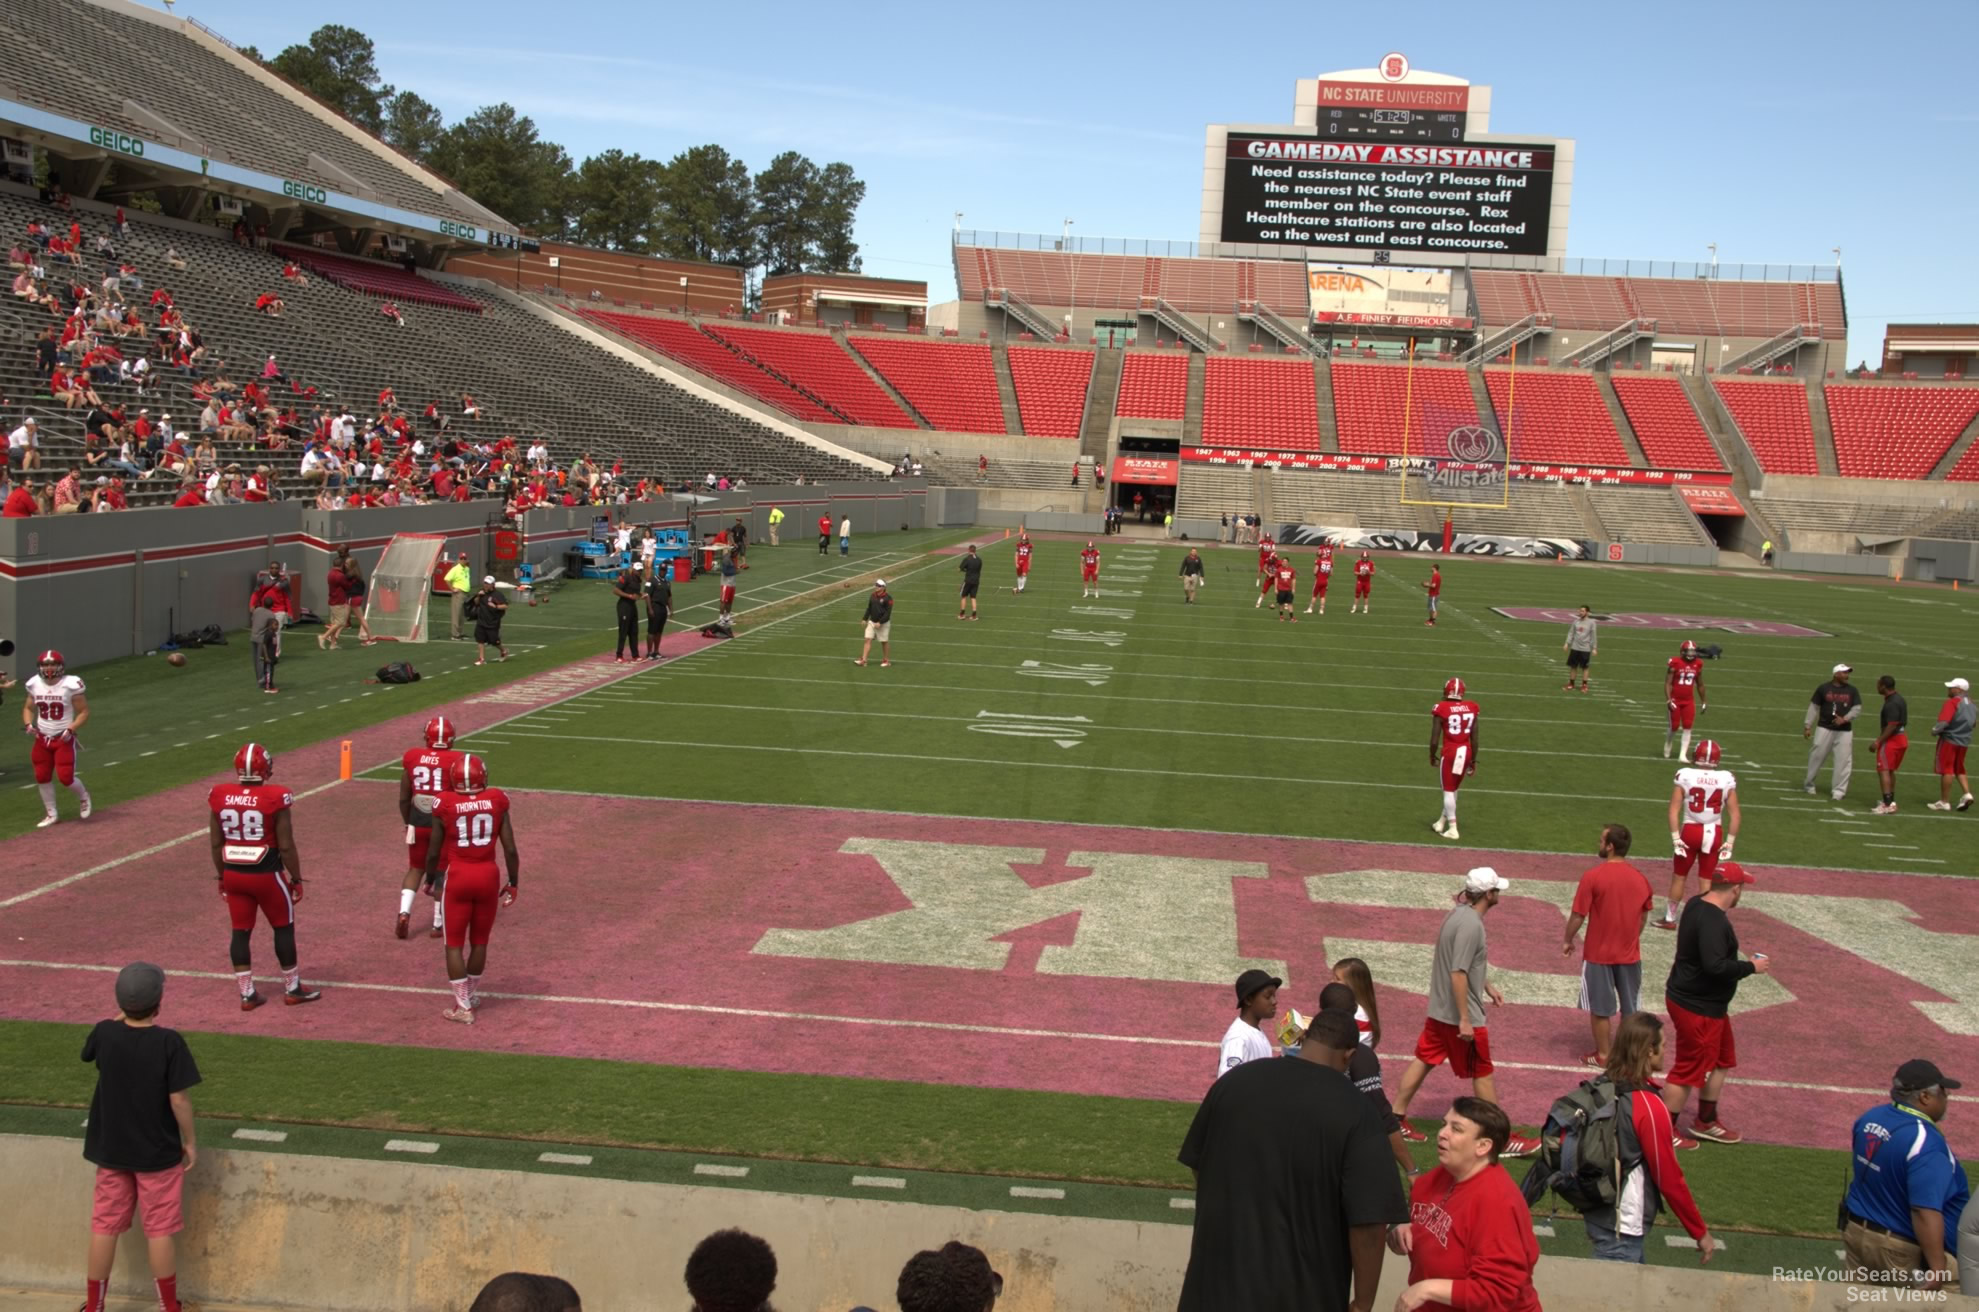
{"type": "Point", "coordinates": [1358, 123]}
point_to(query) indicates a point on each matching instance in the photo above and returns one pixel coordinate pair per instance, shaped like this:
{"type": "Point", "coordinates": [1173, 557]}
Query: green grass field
{"type": "Point", "coordinates": [1129, 710]}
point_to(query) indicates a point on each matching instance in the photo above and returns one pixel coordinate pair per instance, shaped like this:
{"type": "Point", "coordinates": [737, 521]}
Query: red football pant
{"type": "Point", "coordinates": [1683, 715]}
{"type": "Point", "coordinates": [1089, 575]}
{"type": "Point", "coordinates": [1362, 587]}
{"type": "Point", "coordinates": [248, 892]}
{"type": "Point", "coordinates": [1455, 764]}
{"type": "Point", "coordinates": [1701, 845]}
{"type": "Point", "coordinates": [728, 597]}
{"type": "Point", "coordinates": [470, 902]}
{"type": "Point", "coordinates": [1319, 586]}
{"type": "Point", "coordinates": [54, 760]}
{"type": "Point", "coordinates": [416, 840]}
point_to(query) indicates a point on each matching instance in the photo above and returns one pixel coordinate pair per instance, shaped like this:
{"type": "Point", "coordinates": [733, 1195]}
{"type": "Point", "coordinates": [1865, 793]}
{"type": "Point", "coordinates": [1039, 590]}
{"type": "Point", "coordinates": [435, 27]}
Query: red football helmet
{"type": "Point", "coordinates": [1453, 690]}
{"type": "Point", "coordinates": [53, 658]}
{"type": "Point", "coordinates": [469, 775]}
{"type": "Point", "coordinates": [1688, 651]}
{"type": "Point", "coordinates": [1705, 753]}
{"type": "Point", "coordinates": [254, 763]}
{"type": "Point", "coordinates": [439, 733]}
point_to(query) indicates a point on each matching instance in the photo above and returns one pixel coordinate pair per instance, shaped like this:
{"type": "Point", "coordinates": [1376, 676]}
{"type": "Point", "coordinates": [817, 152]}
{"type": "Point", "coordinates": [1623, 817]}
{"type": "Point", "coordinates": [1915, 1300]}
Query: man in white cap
{"type": "Point", "coordinates": [1459, 986]}
{"type": "Point", "coordinates": [879, 623]}
{"type": "Point", "coordinates": [1830, 723]}
{"type": "Point", "coordinates": [1954, 734]}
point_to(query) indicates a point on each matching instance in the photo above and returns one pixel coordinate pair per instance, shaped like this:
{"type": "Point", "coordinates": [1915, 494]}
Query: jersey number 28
{"type": "Point", "coordinates": [242, 826]}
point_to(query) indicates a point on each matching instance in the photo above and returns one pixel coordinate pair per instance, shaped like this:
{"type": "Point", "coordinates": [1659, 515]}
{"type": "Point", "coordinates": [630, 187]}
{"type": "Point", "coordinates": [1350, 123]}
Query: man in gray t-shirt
{"type": "Point", "coordinates": [1459, 987]}
{"type": "Point", "coordinates": [1580, 646]}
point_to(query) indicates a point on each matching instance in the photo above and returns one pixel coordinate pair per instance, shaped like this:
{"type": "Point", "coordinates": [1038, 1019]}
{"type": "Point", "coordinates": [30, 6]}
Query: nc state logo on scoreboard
{"type": "Point", "coordinates": [1394, 67]}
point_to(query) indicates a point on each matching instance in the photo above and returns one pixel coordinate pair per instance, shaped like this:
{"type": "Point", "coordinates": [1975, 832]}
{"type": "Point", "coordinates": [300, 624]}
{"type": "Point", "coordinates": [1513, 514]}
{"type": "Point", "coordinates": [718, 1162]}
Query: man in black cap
{"type": "Point", "coordinates": [1900, 1217]}
{"type": "Point", "coordinates": [1257, 1002]}
{"type": "Point", "coordinates": [139, 1133]}
{"type": "Point", "coordinates": [1290, 1220]}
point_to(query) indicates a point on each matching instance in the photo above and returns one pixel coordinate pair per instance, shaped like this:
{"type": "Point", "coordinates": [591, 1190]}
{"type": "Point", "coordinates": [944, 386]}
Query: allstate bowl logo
{"type": "Point", "coordinates": [1474, 445]}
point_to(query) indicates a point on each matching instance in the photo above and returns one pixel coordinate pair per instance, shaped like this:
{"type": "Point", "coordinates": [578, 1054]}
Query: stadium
{"type": "Point", "coordinates": [861, 955]}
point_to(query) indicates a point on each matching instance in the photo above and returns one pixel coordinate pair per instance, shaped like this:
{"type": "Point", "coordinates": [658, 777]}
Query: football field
{"type": "Point", "coordinates": [979, 911]}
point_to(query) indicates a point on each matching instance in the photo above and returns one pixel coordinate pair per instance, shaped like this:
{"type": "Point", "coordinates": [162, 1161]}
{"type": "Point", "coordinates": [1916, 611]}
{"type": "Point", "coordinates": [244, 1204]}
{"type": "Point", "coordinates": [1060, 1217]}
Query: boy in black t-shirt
{"type": "Point", "coordinates": [139, 1133]}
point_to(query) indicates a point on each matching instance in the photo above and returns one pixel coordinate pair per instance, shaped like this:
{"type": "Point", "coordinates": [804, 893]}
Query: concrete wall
{"type": "Point", "coordinates": [344, 1235]}
{"type": "Point", "coordinates": [1928, 560]}
{"type": "Point", "coordinates": [1659, 553]}
{"type": "Point", "coordinates": [1810, 562]}
{"type": "Point", "coordinates": [875, 509]}
{"type": "Point", "coordinates": [1885, 492]}
{"type": "Point", "coordinates": [951, 506]}
{"type": "Point", "coordinates": [1044, 521]}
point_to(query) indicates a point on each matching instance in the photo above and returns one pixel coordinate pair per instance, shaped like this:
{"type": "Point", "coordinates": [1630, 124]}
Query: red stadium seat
{"type": "Point", "coordinates": [1666, 423]}
{"type": "Point", "coordinates": [1552, 418]}
{"type": "Point", "coordinates": [1775, 421]}
{"type": "Point", "coordinates": [1371, 400]}
{"type": "Point", "coordinates": [1266, 403]}
{"type": "Point", "coordinates": [1896, 432]}
{"type": "Point", "coordinates": [816, 363]}
{"type": "Point", "coordinates": [1051, 389]}
{"type": "Point", "coordinates": [952, 385]}
{"type": "Point", "coordinates": [1153, 386]}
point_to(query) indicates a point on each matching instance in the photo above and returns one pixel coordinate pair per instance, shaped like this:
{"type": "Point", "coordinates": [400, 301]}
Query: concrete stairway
{"type": "Point", "coordinates": [1824, 431]}
{"type": "Point", "coordinates": [1733, 450]}
{"type": "Point", "coordinates": [1606, 386]}
{"type": "Point", "coordinates": [1006, 388]}
{"type": "Point", "coordinates": [1955, 451]}
{"type": "Point", "coordinates": [1192, 409]}
{"type": "Point", "coordinates": [1102, 399]}
{"type": "Point", "coordinates": [1329, 424]}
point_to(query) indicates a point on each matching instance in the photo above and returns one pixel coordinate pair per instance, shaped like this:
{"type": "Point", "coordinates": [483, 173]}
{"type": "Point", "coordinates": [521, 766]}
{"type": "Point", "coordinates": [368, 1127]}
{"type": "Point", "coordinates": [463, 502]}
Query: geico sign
{"type": "Point", "coordinates": [303, 191]}
{"type": "Point", "coordinates": [466, 230]}
{"type": "Point", "coordinates": [116, 141]}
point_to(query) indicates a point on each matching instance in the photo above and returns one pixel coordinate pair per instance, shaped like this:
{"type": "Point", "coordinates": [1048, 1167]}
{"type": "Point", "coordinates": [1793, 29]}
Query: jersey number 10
{"type": "Point", "coordinates": [477, 830]}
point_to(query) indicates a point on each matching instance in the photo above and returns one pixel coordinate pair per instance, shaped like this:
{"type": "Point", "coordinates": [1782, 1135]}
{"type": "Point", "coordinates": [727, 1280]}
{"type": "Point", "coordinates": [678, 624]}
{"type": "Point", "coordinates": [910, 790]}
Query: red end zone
{"type": "Point", "coordinates": [1060, 957]}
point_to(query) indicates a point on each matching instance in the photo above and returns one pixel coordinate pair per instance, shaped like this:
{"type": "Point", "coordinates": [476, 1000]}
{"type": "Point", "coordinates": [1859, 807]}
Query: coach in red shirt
{"type": "Point", "coordinates": [1613, 901]}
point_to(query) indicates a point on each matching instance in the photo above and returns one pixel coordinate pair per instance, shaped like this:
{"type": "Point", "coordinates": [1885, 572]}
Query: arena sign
{"type": "Point", "coordinates": [1655, 620]}
{"type": "Point", "coordinates": [1436, 200]}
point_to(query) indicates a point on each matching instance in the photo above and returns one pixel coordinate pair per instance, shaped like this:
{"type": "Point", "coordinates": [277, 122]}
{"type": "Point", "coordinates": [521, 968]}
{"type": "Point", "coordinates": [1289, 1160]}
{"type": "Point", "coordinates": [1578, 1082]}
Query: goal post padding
{"type": "Point", "coordinates": [401, 588]}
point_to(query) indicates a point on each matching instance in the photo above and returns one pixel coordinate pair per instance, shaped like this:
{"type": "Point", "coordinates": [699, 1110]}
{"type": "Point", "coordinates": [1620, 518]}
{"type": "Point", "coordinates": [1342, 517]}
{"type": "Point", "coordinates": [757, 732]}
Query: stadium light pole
{"type": "Point", "coordinates": [1713, 248]}
{"type": "Point", "coordinates": [1072, 266]}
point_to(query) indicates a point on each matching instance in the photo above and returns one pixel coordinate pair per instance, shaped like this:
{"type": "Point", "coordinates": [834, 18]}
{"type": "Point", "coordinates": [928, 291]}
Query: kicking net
{"type": "Point", "coordinates": [400, 591]}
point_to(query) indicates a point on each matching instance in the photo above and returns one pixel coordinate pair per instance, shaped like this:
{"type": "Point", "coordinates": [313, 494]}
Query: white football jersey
{"type": "Point", "coordinates": [1706, 793]}
{"type": "Point", "coordinates": [54, 703]}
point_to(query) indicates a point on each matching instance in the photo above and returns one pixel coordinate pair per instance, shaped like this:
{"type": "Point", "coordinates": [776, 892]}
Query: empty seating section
{"type": "Point", "coordinates": [1896, 431]}
{"type": "Point", "coordinates": [1261, 404]}
{"type": "Point", "coordinates": [207, 93]}
{"type": "Point", "coordinates": [1370, 401]}
{"type": "Point", "coordinates": [1209, 491]}
{"type": "Point", "coordinates": [1714, 307]}
{"type": "Point", "coordinates": [1302, 496]}
{"type": "Point", "coordinates": [1153, 386]}
{"type": "Point", "coordinates": [680, 340]}
{"type": "Point", "coordinates": [1646, 514]}
{"type": "Point", "coordinates": [571, 393]}
{"type": "Point", "coordinates": [952, 384]}
{"type": "Point", "coordinates": [1051, 388]}
{"type": "Point", "coordinates": [816, 363]}
{"type": "Point", "coordinates": [1966, 469]}
{"type": "Point", "coordinates": [1864, 518]}
{"type": "Point", "coordinates": [373, 278]}
{"type": "Point", "coordinates": [1775, 421]}
{"type": "Point", "coordinates": [1539, 510]}
{"type": "Point", "coordinates": [1554, 418]}
{"type": "Point", "coordinates": [1666, 423]}
{"type": "Point", "coordinates": [1194, 286]}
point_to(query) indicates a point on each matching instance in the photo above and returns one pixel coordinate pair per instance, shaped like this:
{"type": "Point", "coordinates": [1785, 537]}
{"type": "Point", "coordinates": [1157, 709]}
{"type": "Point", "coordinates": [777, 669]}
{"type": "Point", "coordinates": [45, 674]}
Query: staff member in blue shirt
{"type": "Point", "coordinates": [1902, 1209]}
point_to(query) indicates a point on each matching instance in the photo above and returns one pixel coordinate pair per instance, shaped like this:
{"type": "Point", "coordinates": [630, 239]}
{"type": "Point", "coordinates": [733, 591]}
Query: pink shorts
{"type": "Point", "coordinates": [122, 1194]}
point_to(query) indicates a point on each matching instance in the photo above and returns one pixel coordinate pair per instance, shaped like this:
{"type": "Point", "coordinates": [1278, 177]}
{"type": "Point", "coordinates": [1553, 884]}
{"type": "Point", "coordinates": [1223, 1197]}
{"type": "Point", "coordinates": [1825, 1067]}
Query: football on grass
{"type": "Point", "coordinates": [176, 658]}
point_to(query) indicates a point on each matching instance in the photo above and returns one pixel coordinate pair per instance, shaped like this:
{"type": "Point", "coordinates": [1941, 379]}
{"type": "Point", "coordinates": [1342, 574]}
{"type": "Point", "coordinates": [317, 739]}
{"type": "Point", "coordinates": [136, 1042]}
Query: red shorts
{"type": "Point", "coordinates": [1363, 586]}
{"type": "Point", "coordinates": [1951, 759]}
{"type": "Point", "coordinates": [1704, 1044]}
{"type": "Point", "coordinates": [470, 903]}
{"type": "Point", "coordinates": [416, 840]}
{"type": "Point", "coordinates": [728, 595]}
{"type": "Point", "coordinates": [1440, 1042]}
{"type": "Point", "coordinates": [55, 760]}
{"type": "Point", "coordinates": [1022, 570]}
{"type": "Point", "coordinates": [1456, 763]}
{"type": "Point", "coordinates": [1701, 844]}
{"type": "Point", "coordinates": [1889, 753]}
{"type": "Point", "coordinates": [153, 1195]}
{"type": "Point", "coordinates": [248, 892]}
{"type": "Point", "coordinates": [1090, 575]}
{"type": "Point", "coordinates": [1319, 585]}
{"type": "Point", "coordinates": [1683, 715]}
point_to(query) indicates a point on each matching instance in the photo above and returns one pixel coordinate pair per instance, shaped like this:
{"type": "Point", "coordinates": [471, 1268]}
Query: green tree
{"type": "Point", "coordinates": [615, 198]}
{"type": "Point", "coordinates": [495, 156]}
{"type": "Point", "coordinates": [784, 192]}
{"type": "Point", "coordinates": [412, 125]}
{"type": "Point", "coordinates": [339, 66]}
{"type": "Point", "coordinates": [707, 205]}
{"type": "Point", "coordinates": [833, 208]}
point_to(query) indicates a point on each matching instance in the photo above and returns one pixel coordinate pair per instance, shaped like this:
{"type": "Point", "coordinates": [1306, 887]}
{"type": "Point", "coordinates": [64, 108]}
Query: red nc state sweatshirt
{"type": "Point", "coordinates": [1478, 1235]}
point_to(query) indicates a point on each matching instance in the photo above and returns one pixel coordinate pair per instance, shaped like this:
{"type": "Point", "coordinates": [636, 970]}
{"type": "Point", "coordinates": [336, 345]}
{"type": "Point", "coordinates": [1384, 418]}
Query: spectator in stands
{"type": "Point", "coordinates": [125, 460]}
{"type": "Point", "coordinates": [391, 311]}
{"type": "Point", "coordinates": [205, 456]}
{"type": "Point", "coordinates": [518, 1291]}
{"type": "Point", "coordinates": [68, 493]}
{"type": "Point", "coordinates": [256, 488]}
{"type": "Point", "coordinates": [731, 1271]}
{"type": "Point", "coordinates": [269, 304]}
{"type": "Point", "coordinates": [209, 419]}
{"type": "Point", "coordinates": [72, 390]}
{"type": "Point", "coordinates": [291, 273]}
{"type": "Point", "coordinates": [315, 466]}
{"type": "Point", "coordinates": [272, 372]}
{"type": "Point", "coordinates": [468, 407]}
{"type": "Point", "coordinates": [174, 260]}
{"type": "Point", "coordinates": [190, 494]}
{"type": "Point", "coordinates": [110, 495]}
{"type": "Point", "coordinates": [955, 1278]}
{"type": "Point", "coordinates": [24, 445]}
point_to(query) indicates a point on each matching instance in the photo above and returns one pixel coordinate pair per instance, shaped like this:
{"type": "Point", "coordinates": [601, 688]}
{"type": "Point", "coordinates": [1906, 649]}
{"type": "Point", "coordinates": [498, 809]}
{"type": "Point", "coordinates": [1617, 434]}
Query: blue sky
{"type": "Point", "coordinates": [1778, 133]}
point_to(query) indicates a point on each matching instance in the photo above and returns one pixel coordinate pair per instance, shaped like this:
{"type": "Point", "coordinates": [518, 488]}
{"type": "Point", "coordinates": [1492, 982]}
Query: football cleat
{"type": "Point", "coordinates": [1451, 832]}
{"type": "Point", "coordinates": [1705, 753]}
{"type": "Point", "coordinates": [403, 927]}
{"type": "Point", "coordinates": [254, 763]}
{"type": "Point", "coordinates": [1453, 690]}
{"type": "Point", "coordinates": [52, 818]}
{"type": "Point", "coordinates": [249, 1001]}
{"type": "Point", "coordinates": [440, 733]}
{"type": "Point", "coordinates": [469, 775]}
{"type": "Point", "coordinates": [295, 997]}
{"type": "Point", "coordinates": [460, 1014]}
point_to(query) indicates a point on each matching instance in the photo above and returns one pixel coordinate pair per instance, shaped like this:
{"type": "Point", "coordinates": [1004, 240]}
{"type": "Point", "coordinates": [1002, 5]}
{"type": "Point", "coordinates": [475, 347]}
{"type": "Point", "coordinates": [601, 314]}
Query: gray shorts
{"type": "Point", "coordinates": [1610, 990]}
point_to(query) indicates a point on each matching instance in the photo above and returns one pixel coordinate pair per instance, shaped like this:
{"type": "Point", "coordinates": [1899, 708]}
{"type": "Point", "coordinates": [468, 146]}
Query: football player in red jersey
{"type": "Point", "coordinates": [255, 862]}
{"type": "Point", "coordinates": [1023, 560]}
{"type": "Point", "coordinates": [1453, 749]}
{"type": "Point", "coordinates": [1267, 554]}
{"type": "Point", "coordinates": [54, 711]}
{"type": "Point", "coordinates": [1363, 585]}
{"type": "Point", "coordinates": [1322, 574]}
{"type": "Point", "coordinates": [425, 778]}
{"type": "Point", "coordinates": [1089, 570]}
{"type": "Point", "coordinates": [470, 819]}
{"type": "Point", "coordinates": [1286, 580]}
{"type": "Point", "coordinates": [1683, 686]}
{"type": "Point", "coordinates": [1433, 585]}
{"type": "Point", "coordinates": [1267, 580]}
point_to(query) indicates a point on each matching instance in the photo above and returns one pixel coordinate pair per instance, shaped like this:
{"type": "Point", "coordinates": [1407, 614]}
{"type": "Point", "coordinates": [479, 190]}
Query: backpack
{"type": "Point", "coordinates": [471, 608]}
{"type": "Point", "coordinates": [398, 672]}
{"type": "Point", "coordinates": [1580, 1155]}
